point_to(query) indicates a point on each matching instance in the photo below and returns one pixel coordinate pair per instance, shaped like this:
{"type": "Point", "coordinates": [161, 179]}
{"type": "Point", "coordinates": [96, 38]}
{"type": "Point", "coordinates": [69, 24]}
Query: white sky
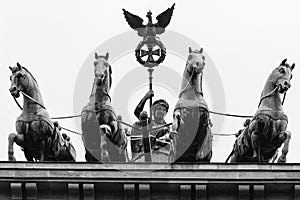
{"type": "Point", "coordinates": [246, 40]}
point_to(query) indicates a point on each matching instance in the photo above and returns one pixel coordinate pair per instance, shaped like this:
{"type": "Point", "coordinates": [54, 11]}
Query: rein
{"type": "Point", "coordinates": [231, 115]}
{"type": "Point", "coordinates": [32, 99]}
{"type": "Point", "coordinates": [65, 117]}
{"type": "Point", "coordinates": [106, 94]}
{"type": "Point", "coordinates": [119, 121]}
{"type": "Point", "coordinates": [188, 83]}
{"type": "Point", "coordinates": [283, 98]}
{"type": "Point", "coordinates": [270, 94]}
{"type": "Point", "coordinates": [29, 97]}
{"type": "Point", "coordinates": [35, 101]}
{"type": "Point", "coordinates": [17, 103]}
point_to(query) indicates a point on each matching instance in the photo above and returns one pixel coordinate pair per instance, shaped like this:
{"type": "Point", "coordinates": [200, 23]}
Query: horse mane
{"type": "Point", "coordinates": [30, 74]}
{"type": "Point", "coordinates": [110, 77]}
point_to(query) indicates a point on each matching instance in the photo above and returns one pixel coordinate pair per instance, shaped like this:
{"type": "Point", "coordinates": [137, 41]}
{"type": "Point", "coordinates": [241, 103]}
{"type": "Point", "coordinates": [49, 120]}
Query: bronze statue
{"type": "Point", "coordinates": [103, 138]}
{"type": "Point", "coordinates": [191, 129]}
{"type": "Point", "coordinates": [260, 139]}
{"type": "Point", "coordinates": [38, 136]}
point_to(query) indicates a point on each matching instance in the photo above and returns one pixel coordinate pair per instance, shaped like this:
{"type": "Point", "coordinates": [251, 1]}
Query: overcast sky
{"type": "Point", "coordinates": [55, 40]}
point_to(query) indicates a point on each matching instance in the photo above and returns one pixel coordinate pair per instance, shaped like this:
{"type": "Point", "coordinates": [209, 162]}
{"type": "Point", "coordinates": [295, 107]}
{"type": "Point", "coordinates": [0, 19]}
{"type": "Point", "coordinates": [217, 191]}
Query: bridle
{"type": "Point", "coordinates": [272, 93]}
{"type": "Point", "coordinates": [105, 93]}
{"type": "Point", "coordinates": [276, 88]}
{"type": "Point", "coordinates": [29, 97]}
{"type": "Point", "coordinates": [108, 67]}
{"type": "Point", "coordinates": [189, 81]}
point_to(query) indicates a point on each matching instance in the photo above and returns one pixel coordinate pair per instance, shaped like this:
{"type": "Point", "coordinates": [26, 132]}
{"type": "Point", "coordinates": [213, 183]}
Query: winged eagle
{"type": "Point", "coordinates": [149, 29]}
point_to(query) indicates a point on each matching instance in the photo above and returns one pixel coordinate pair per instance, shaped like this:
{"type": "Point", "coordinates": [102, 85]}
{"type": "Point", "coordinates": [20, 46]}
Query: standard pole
{"type": "Point", "coordinates": [150, 70]}
{"type": "Point", "coordinates": [146, 132]}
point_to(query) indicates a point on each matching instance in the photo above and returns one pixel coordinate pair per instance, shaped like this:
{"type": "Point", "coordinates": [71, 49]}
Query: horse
{"type": "Point", "coordinates": [265, 133]}
{"type": "Point", "coordinates": [191, 127]}
{"type": "Point", "coordinates": [103, 137]}
{"type": "Point", "coordinates": [37, 135]}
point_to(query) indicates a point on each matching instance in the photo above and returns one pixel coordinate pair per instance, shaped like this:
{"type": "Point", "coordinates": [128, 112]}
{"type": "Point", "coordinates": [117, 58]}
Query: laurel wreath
{"type": "Point", "coordinates": [152, 42]}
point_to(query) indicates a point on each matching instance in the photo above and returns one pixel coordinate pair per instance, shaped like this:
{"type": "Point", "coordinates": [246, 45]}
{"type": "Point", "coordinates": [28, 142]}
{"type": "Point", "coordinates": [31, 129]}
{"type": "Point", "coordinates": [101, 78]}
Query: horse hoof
{"type": "Point", "coordinates": [281, 159]}
{"type": "Point", "coordinates": [173, 134]}
{"type": "Point", "coordinates": [105, 156]}
{"type": "Point", "coordinates": [254, 156]}
{"type": "Point", "coordinates": [12, 158]}
{"type": "Point", "coordinates": [106, 129]}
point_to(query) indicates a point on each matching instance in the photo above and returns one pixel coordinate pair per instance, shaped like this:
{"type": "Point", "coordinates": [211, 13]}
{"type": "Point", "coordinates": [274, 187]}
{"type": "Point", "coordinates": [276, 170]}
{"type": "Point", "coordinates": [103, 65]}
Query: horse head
{"type": "Point", "coordinates": [196, 61]}
{"type": "Point", "coordinates": [192, 77]}
{"type": "Point", "coordinates": [102, 70]}
{"type": "Point", "coordinates": [282, 75]}
{"type": "Point", "coordinates": [20, 81]}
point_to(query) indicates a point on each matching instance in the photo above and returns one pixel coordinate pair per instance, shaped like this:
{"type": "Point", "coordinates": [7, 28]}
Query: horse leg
{"type": "Point", "coordinates": [90, 156]}
{"type": "Point", "coordinates": [104, 155]}
{"type": "Point", "coordinates": [230, 156]}
{"type": "Point", "coordinates": [177, 121]}
{"type": "Point", "coordinates": [233, 158]}
{"type": "Point", "coordinates": [42, 150]}
{"type": "Point", "coordinates": [28, 156]}
{"type": "Point", "coordinates": [255, 143]}
{"type": "Point", "coordinates": [285, 148]}
{"type": "Point", "coordinates": [119, 140]}
{"type": "Point", "coordinates": [115, 134]}
{"type": "Point", "coordinates": [118, 135]}
{"type": "Point", "coordinates": [105, 129]}
{"type": "Point", "coordinates": [259, 154]}
{"type": "Point", "coordinates": [18, 139]}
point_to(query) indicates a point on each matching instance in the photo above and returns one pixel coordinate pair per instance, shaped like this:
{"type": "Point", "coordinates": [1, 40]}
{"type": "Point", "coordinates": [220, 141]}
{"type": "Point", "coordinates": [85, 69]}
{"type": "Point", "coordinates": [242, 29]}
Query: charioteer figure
{"type": "Point", "coordinates": [145, 123]}
{"type": "Point", "coordinates": [159, 109]}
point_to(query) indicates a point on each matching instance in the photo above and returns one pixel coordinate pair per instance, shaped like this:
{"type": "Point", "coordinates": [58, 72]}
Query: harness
{"type": "Point", "coordinates": [40, 115]}
{"type": "Point", "coordinates": [274, 114]}
{"type": "Point", "coordinates": [242, 143]}
{"type": "Point", "coordinates": [184, 103]}
{"type": "Point", "coordinates": [99, 108]}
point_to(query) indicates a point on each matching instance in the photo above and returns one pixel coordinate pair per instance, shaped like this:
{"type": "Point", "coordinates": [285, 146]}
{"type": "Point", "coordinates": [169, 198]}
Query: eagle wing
{"type": "Point", "coordinates": [135, 22]}
{"type": "Point", "coordinates": [163, 20]}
